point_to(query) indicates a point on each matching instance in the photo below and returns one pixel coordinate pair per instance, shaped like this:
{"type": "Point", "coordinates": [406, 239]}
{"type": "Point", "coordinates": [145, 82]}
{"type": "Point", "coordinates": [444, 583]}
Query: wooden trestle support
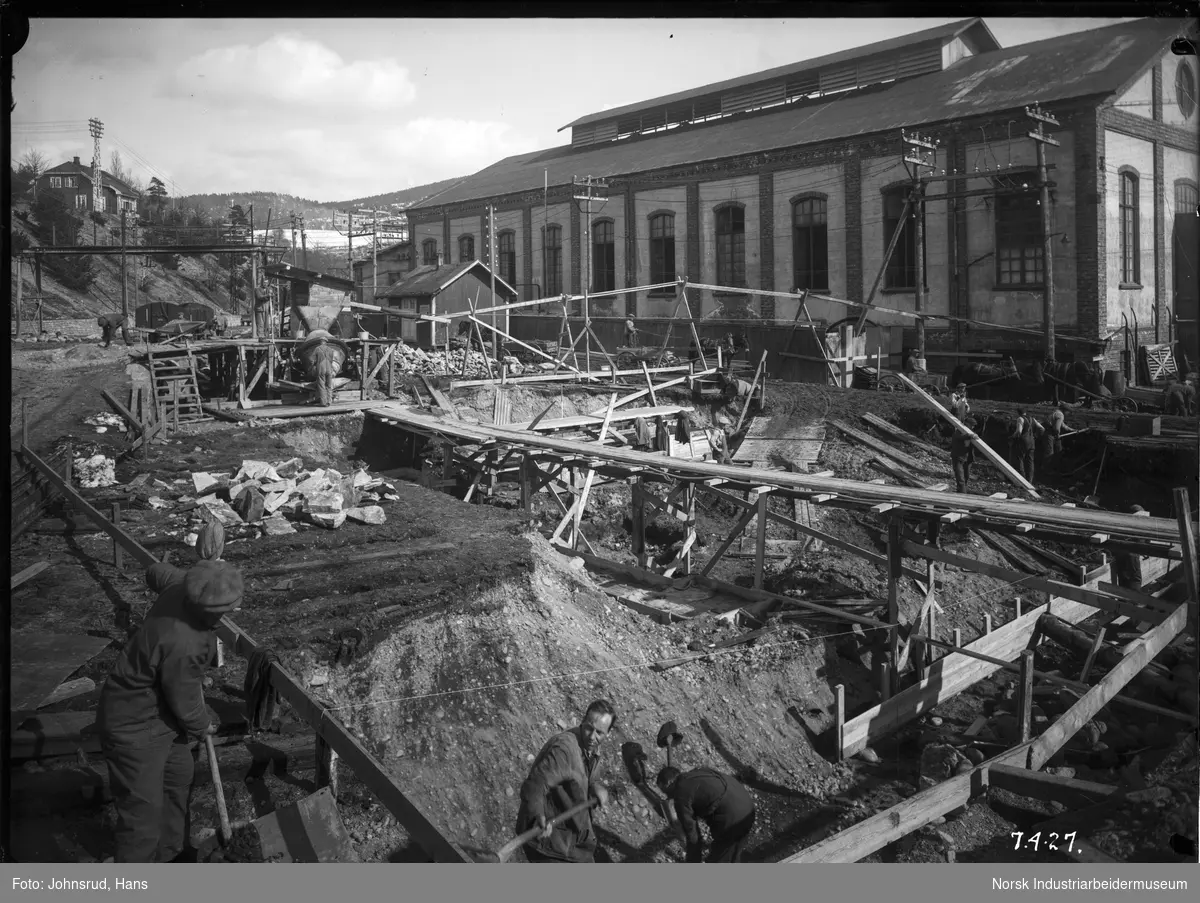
{"type": "Point", "coordinates": [916, 669]}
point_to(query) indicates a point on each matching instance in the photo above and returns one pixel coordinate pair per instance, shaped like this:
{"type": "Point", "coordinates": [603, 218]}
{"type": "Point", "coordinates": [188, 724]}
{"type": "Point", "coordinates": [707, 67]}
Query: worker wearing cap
{"type": "Point", "coordinates": [152, 706]}
{"type": "Point", "coordinates": [1055, 423]}
{"type": "Point", "coordinates": [720, 801]}
{"type": "Point", "coordinates": [960, 407]}
{"type": "Point", "coordinates": [109, 324]}
{"type": "Point", "coordinates": [631, 333]}
{"type": "Point", "coordinates": [564, 774]}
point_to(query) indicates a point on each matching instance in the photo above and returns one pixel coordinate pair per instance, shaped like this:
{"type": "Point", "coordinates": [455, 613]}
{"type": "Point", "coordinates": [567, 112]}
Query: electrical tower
{"type": "Point", "coordinates": [96, 128]}
{"type": "Point", "coordinates": [590, 184]}
{"type": "Point", "coordinates": [1039, 116]}
{"type": "Point", "coordinates": [919, 153]}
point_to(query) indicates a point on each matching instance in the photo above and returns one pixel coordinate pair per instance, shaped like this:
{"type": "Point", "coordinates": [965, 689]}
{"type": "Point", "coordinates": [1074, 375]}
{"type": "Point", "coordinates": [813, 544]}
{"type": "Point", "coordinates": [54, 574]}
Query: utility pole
{"type": "Point", "coordinates": [915, 155]}
{"type": "Point", "coordinates": [292, 215]}
{"type": "Point", "coordinates": [374, 254]}
{"type": "Point", "coordinates": [492, 271]}
{"type": "Point", "coordinates": [1041, 139]}
{"type": "Point", "coordinates": [589, 183]}
{"type": "Point", "coordinates": [303, 244]}
{"type": "Point", "coordinates": [124, 274]}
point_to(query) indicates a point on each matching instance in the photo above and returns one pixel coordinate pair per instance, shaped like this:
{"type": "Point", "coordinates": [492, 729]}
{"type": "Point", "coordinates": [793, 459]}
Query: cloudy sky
{"type": "Point", "coordinates": [334, 109]}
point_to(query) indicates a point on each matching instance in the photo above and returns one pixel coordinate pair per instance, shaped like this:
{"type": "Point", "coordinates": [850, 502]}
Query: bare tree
{"type": "Point", "coordinates": [30, 168]}
{"type": "Point", "coordinates": [116, 168]}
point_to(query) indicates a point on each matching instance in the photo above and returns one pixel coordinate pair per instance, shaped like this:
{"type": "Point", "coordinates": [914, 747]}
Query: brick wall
{"type": "Point", "coordinates": [693, 231]}
{"type": "Point", "coordinates": [1161, 294]}
{"type": "Point", "coordinates": [631, 250]}
{"type": "Point", "coordinates": [1090, 237]}
{"type": "Point", "coordinates": [527, 252]}
{"type": "Point", "coordinates": [576, 258]}
{"type": "Point", "coordinates": [84, 328]}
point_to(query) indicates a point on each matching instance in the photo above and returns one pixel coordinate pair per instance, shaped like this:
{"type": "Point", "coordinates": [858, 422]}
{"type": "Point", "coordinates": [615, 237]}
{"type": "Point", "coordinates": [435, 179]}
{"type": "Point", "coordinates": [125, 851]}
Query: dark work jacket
{"type": "Point", "coordinates": [1127, 568]}
{"type": "Point", "coordinates": [156, 684]}
{"type": "Point", "coordinates": [718, 800]}
{"type": "Point", "coordinates": [961, 448]}
{"type": "Point", "coordinates": [561, 768]}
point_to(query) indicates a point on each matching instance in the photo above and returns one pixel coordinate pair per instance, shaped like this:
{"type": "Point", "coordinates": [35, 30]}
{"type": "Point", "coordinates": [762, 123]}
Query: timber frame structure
{"type": "Point", "coordinates": [937, 669]}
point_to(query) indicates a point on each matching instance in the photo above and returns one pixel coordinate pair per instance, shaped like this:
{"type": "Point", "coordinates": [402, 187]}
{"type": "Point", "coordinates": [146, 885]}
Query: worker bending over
{"type": "Point", "coordinates": [109, 324]}
{"type": "Point", "coordinates": [720, 801]}
{"type": "Point", "coordinates": [152, 707]}
{"type": "Point", "coordinates": [564, 774]}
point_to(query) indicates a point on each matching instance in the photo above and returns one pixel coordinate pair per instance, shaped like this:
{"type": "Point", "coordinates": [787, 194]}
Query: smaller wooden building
{"type": "Point", "coordinates": [441, 291]}
{"type": "Point", "coordinates": [383, 269]}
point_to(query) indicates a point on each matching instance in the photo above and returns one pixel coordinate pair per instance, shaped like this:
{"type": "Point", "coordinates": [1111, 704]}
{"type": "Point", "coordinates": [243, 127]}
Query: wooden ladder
{"type": "Point", "coordinates": [176, 389]}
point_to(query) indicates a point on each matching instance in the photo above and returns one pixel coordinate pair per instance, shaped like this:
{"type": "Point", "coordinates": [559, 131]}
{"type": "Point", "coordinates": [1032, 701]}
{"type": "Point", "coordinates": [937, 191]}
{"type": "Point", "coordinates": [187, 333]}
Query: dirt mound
{"type": "Point", "coordinates": [458, 703]}
{"type": "Point", "coordinates": [85, 355]}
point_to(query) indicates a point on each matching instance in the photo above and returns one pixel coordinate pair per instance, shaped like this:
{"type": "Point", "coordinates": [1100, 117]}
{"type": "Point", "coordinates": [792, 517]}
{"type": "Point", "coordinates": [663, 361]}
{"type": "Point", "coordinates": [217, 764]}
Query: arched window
{"type": "Point", "coordinates": [466, 248]}
{"type": "Point", "coordinates": [662, 248]}
{"type": "Point", "coordinates": [1128, 204]}
{"type": "Point", "coordinates": [429, 251]}
{"type": "Point", "coordinates": [507, 253]}
{"type": "Point", "coordinates": [552, 259]}
{"type": "Point", "coordinates": [810, 243]}
{"type": "Point", "coordinates": [604, 256]}
{"type": "Point", "coordinates": [731, 245]}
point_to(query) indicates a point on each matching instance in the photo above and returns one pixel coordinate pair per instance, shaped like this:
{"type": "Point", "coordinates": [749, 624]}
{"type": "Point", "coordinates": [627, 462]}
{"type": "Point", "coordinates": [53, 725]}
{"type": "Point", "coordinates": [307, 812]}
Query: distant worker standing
{"type": "Point", "coordinates": [563, 775]}
{"type": "Point", "coordinates": [631, 333]}
{"type": "Point", "coordinates": [1023, 441]}
{"type": "Point", "coordinates": [1127, 566]}
{"type": "Point", "coordinates": [960, 407]}
{"type": "Point", "coordinates": [1055, 424]}
{"type": "Point", "coordinates": [962, 455]}
{"type": "Point", "coordinates": [720, 801]}
{"type": "Point", "coordinates": [109, 324]}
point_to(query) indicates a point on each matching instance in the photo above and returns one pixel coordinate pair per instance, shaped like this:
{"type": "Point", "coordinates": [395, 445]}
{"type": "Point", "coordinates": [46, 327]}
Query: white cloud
{"type": "Point", "coordinates": [291, 69]}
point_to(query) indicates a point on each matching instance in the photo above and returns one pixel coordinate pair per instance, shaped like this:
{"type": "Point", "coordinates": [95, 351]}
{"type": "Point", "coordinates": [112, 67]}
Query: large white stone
{"type": "Point", "coordinates": [370, 514]}
{"type": "Point", "coordinates": [257, 470]}
{"type": "Point", "coordinates": [325, 502]}
{"type": "Point", "coordinates": [328, 520]}
{"type": "Point", "coordinates": [206, 482]}
{"type": "Point", "coordinates": [276, 526]}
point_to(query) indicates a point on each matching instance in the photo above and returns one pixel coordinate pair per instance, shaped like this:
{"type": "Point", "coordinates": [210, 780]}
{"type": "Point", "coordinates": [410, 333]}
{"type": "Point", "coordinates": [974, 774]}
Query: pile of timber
{"type": "Point", "coordinates": [30, 492]}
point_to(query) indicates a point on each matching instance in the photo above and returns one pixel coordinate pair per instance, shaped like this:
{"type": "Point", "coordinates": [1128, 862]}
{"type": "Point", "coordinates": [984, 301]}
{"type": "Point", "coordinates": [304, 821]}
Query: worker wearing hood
{"type": "Point", "coordinates": [152, 707]}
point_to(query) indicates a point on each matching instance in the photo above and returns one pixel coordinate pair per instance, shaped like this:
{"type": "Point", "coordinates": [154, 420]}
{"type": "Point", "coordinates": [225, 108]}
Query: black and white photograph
{"type": "Point", "coordinates": [662, 440]}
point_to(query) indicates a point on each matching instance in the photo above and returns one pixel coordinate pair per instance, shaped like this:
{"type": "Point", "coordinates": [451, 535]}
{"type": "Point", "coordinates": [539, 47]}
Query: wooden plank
{"type": "Point", "coordinates": [1003, 466]}
{"type": "Point", "coordinates": [27, 574]}
{"type": "Point", "coordinates": [902, 435]}
{"type": "Point", "coordinates": [442, 401]}
{"type": "Point", "coordinates": [1058, 734]}
{"type": "Point", "coordinates": [1085, 595]}
{"type": "Point", "coordinates": [881, 447]}
{"type": "Point", "coordinates": [952, 674]}
{"type": "Point", "coordinates": [68, 690]}
{"type": "Point", "coordinates": [123, 411]}
{"type": "Point", "coordinates": [1183, 513]}
{"type": "Point", "coordinates": [41, 661]}
{"type": "Point", "coordinates": [1038, 785]}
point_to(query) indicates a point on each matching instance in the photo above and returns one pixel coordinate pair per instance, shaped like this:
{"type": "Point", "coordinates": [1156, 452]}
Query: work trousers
{"type": "Point", "coordinates": [1023, 462]}
{"type": "Point", "coordinates": [962, 474]}
{"type": "Point", "coordinates": [729, 845]}
{"type": "Point", "coordinates": [150, 777]}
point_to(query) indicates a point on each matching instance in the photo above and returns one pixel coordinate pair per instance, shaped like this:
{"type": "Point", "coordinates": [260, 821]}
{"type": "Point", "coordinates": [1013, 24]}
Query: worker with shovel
{"type": "Point", "coordinates": [152, 706]}
{"type": "Point", "coordinates": [720, 801]}
{"type": "Point", "coordinates": [564, 775]}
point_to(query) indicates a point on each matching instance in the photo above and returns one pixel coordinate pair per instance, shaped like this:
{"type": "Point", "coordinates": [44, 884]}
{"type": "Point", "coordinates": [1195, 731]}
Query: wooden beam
{"type": "Point", "coordinates": [747, 515]}
{"type": "Point", "coordinates": [1038, 785]}
{"type": "Point", "coordinates": [762, 363]}
{"type": "Point", "coordinates": [1058, 734]}
{"type": "Point", "coordinates": [27, 574]}
{"type": "Point", "coordinates": [1003, 466]}
{"type": "Point", "coordinates": [1183, 513]}
{"type": "Point", "coordinates": [760, 545]}
{"type": "Point", "coordinates": [882, 447]}
{"type": "Point", "coordinates": [1067, 590]}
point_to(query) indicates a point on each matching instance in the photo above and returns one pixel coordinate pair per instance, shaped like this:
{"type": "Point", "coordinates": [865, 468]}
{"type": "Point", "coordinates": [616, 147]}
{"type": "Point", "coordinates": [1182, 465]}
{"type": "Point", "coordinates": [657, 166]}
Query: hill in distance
{"type": "Point", "coordinates": [317, 214]}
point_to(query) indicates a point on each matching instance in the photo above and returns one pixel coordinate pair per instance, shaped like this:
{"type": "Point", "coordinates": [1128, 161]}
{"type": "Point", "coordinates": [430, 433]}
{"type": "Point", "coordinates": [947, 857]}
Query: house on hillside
{"type": "Point", "coordinates": [441, 290]}
{"type": "Point", "coordinates": [382, 270]}
{"type": "Point", "coordinates": [71, 183]}
{"type": "Point", "coordinates": [794, 178]}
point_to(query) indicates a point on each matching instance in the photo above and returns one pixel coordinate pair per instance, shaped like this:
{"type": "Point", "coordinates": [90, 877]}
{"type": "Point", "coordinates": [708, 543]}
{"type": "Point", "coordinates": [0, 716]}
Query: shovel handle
{"type": "Point", "coordinates": [218, 787]}
{"type": "Point", "coordinates": [524, 837]}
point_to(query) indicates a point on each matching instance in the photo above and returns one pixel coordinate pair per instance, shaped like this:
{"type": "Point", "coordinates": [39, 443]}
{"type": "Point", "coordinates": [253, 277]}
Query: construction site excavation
{"type": "Point", "coordinates": [442, 572]}
{"type": "Point", "coordinates": [801, 468]}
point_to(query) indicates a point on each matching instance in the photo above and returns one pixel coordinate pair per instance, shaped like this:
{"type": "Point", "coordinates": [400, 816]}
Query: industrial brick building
{"type": "Point", "coordinates": [794, 178]}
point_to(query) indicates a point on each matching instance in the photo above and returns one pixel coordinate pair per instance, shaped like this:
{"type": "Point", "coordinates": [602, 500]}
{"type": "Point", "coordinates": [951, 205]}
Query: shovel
{"type": "Point", "coordinates": [668, 738]}
{"type": "Point", "coordinates": [502, 854]}
{"type": "Point", "coordinates": [226, 831]}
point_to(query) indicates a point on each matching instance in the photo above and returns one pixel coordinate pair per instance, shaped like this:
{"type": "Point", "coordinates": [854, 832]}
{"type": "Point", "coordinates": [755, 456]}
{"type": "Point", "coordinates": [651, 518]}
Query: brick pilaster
{"type": "Point", "coordinates": [766, 242]}
{"type": "Point", "coordinates": [1090, 228]}
{"type": "Point", "coordinates": [631, 251]}
{"type": "Point", "coordinates": [852, 189]}
{"type": "Point", "coordinates": [527, 251]}
{"type": "Point", "coordinates": [693, 232]}
{"type": "Point", "coordinates": [1160, 252]}
{"type": "Point", "coordinates": [576, 258]}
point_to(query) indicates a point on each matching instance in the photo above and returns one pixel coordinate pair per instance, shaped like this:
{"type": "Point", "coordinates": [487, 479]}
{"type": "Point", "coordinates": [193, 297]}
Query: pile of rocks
{"type": "Point", "coordinates": [270, 496]}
